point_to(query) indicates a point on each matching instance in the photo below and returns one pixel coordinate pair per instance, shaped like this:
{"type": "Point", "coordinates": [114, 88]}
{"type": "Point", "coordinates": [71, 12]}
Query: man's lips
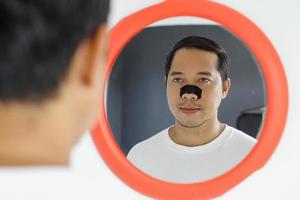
{"type": "Point", "coordinates": [189, 110]}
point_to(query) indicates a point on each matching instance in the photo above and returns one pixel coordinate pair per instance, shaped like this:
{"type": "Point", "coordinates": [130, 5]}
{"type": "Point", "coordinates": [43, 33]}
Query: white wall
{"type": "Point", "coordinates": [280, 178]}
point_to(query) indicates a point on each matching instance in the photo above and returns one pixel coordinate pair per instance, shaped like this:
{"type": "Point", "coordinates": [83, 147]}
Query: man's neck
{"type": "Point", "coordinates": [34, 153]}
{"type": "Point", "coordinates": [196, 136]}
{"type": "Point", "coordinates": [25, 142]}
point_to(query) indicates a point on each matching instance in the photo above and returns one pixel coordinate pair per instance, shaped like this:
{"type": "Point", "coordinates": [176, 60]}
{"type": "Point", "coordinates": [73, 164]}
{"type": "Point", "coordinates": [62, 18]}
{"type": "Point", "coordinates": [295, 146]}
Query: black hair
{"type": "Point", "coordinates": [201, 43]}
{"type": "Point", "coordinates": [38, 39]}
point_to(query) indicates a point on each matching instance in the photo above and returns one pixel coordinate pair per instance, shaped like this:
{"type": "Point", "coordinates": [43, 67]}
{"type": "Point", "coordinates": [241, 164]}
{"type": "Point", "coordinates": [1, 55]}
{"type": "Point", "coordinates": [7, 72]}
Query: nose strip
{"type": "Point", "coordinates": [190, 92]}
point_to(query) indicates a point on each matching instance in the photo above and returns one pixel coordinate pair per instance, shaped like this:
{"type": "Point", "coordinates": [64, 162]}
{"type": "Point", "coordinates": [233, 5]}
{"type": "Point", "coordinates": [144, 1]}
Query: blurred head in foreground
{"type": "Point", "coordinates": [51, 60]}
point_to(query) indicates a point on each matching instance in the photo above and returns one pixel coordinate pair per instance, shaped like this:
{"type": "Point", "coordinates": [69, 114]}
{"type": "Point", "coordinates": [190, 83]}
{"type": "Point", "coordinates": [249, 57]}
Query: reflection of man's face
{"type": "Point", "coordinates": [191, 66]}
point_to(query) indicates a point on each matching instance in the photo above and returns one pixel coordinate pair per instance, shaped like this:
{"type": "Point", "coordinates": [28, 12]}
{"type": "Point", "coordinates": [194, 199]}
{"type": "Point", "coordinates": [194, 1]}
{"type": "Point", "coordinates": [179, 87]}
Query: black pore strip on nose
{"type": "Point", "coordinates": [191, 89]}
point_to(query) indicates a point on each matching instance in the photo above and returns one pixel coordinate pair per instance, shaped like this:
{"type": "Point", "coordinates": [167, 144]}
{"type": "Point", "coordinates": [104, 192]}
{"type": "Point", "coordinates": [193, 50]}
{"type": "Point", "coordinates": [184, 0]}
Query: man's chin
{"type": "Point", "coordinates": [190, 124]}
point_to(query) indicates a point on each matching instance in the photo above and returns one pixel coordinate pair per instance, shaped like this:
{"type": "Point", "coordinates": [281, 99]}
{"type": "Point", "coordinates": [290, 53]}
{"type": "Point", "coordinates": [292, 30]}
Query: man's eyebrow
{"type": "Point", "coordinates": [204, 73]}
{"type": "Point", "coordinates": [174, 73]}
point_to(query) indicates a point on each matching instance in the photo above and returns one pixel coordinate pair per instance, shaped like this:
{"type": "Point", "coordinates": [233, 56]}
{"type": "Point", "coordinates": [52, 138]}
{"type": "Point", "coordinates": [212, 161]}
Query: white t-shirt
{"type": "Point", "coordinates": [160, 157]}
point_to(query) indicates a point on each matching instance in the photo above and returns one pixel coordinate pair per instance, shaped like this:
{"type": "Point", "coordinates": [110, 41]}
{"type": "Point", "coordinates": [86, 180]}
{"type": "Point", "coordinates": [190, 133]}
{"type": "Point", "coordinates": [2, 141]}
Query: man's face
{"type": "Point", "coordinates": [191, 66]}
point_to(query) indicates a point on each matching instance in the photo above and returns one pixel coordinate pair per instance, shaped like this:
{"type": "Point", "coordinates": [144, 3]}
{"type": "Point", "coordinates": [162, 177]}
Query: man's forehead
{"type": "Point", "coordinates": [195, 52]}
{"type": "Point", "coordinates": [194, 59]}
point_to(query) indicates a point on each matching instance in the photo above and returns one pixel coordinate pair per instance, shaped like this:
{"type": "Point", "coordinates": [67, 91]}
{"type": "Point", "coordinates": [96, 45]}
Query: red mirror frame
{"type": "Point", "coordinates": [275, 117]}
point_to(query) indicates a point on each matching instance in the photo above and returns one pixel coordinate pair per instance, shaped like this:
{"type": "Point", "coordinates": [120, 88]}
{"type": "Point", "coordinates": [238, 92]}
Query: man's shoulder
{"type": "Point", "coordinates": [241, 137]}
{"type": "Point", "coordinates": [148, 144]}
{"type": "Point", "coordinates": [58, 182]}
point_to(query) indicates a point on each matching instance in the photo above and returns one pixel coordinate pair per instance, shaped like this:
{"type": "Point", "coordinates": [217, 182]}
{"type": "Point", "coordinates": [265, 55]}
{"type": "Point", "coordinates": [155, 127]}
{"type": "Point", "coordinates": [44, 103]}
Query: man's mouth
{"type": "Point", "coordinates": [189, 110]}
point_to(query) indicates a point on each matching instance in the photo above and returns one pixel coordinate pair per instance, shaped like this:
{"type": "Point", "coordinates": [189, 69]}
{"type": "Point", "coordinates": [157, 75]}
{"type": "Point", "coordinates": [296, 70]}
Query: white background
{"type": "Point", "coordinates": [279, 179]}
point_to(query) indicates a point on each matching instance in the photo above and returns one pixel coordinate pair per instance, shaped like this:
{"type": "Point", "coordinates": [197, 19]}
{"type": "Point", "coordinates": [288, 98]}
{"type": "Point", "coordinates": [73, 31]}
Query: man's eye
{"type": "Point", "coordinates": [177, 80]}
{"type": "Point", "coordinates": [204, 80]}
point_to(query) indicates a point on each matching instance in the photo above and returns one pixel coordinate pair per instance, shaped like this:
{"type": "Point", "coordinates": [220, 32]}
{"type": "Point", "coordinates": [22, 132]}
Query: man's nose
{"type": "Point", "coordinates": [188, 96]}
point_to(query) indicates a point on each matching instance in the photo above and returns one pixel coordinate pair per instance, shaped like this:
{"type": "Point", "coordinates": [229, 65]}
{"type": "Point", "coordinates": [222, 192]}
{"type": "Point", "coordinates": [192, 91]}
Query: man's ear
{"type": "Point", "coordinates": [226, 87]}
{"type": "Point", "coordinates": [89, 59]}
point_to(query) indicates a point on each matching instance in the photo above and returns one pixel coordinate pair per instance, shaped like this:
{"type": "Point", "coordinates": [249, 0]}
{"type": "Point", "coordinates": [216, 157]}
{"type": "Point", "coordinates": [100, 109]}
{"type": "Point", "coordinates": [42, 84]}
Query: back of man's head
{"type": "Point", "coordinates": [51, 56]}
{"type": "Point", "coordinates": [38, 39]}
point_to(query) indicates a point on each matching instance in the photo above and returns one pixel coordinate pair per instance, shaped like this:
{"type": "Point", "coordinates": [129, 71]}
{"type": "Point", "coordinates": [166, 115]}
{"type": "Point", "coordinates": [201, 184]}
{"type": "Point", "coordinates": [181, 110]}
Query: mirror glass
{"type": "Point", "coordinates": [142, 120]}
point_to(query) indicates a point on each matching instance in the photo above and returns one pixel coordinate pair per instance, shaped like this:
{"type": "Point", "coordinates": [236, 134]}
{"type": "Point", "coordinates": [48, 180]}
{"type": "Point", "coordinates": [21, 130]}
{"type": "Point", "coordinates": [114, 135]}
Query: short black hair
{"type": "Point", "coordinates": [201, 43]}
{"type": "Point", "coordinates": [38, 39]}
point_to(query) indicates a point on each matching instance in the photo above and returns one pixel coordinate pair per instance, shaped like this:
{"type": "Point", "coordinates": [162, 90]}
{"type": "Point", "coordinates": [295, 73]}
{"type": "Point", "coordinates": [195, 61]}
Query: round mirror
{"type": "Point", "coordinates": [109, 130]}
{"type": "Point", "coordinates": [140, 106]}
